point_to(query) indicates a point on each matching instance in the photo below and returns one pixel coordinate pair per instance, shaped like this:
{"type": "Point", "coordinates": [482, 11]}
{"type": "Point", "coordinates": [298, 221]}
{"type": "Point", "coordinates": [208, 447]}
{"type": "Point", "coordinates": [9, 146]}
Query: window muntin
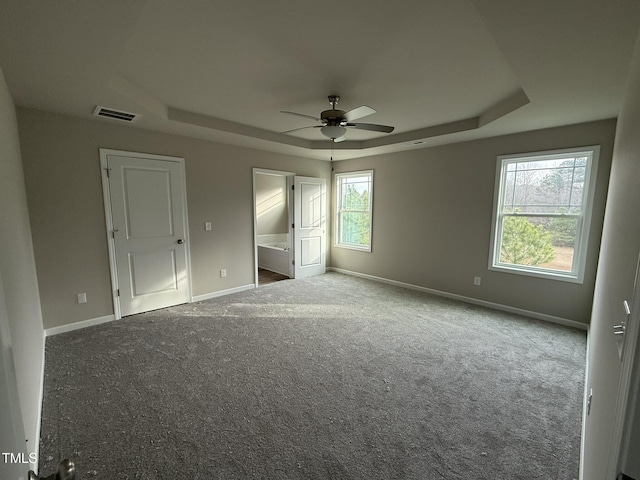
{"type": "Point", "coordinates": [354, 209]}
{"type": "Point", "coordinates": [542, 213]}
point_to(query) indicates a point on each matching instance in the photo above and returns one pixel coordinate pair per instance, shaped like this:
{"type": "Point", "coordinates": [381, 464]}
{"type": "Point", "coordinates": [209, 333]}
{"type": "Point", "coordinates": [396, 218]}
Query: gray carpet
{"type": "Point", "coordinates": [332, 377]}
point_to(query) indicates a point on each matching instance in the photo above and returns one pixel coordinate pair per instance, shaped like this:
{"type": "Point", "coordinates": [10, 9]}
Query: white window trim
{"type": "Point", "coordinates": [336, 177]}
{"type": "Point", "coordinates": [582, 240]}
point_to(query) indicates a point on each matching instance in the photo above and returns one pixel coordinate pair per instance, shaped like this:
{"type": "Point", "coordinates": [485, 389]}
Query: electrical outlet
{"type": "Point", "coordinates": [477, 280]}
{"type": "Point", "coordinates": [207, 226]}
{"type": "Point", "coordinates": [223, 273]}
{"type": "Point", "coordinates": [82, 298]}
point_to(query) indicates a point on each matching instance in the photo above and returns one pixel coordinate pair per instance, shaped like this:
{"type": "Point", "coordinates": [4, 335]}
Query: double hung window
{"type": "Point", "coordinates": [354, 209]}
{"type": "Point", "coordinates": [542, 213]}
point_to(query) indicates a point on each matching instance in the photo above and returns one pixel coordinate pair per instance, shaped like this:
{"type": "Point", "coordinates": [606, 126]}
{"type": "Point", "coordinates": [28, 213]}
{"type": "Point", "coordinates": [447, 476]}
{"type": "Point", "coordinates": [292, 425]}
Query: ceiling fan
{"type": "Point", "coordinates": [334, 123]}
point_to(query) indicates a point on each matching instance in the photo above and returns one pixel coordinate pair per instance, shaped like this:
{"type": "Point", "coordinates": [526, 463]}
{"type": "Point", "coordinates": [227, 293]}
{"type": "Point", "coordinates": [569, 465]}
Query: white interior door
{"type": "Point", "coordinates": [309, 232]}
{"type": "Point", "coordinates": [149, 234]}
{"type": "Point", "coordinates": [11, 426]}
{"type": "Point", "coordinates": [626, 431]}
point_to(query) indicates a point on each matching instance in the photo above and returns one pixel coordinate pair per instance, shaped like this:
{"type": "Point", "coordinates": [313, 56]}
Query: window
{"type": "Point", "coordinates": [353, 209]}
{"type": "Point", "coordinates": [542, 213]}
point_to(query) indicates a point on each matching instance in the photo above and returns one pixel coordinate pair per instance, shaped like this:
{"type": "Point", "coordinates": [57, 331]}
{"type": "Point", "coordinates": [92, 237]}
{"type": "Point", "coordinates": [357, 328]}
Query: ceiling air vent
{"type": "Point", "coordinates": [115, 114]}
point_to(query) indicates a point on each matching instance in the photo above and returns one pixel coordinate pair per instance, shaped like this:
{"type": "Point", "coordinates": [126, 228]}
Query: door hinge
{"type": "Point", "coordinates": [108, 170]}
{"type": "Point", "coordinates": [113, 232]}
{"type": "Point", "coordinates": [117, 292]}
{"type": "Point", "coordinates": [293, 262]}
{"type": "Point", "coordinates": [293, 187]}
{"type": "Point", "coordinates": [293, 225]}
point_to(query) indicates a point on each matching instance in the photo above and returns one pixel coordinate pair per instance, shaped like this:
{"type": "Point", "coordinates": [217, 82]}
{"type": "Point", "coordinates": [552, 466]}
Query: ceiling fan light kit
{"type": "Point", "coordinates": [335, 122]}
{"type": "Point", "coordinates": [333, 132]}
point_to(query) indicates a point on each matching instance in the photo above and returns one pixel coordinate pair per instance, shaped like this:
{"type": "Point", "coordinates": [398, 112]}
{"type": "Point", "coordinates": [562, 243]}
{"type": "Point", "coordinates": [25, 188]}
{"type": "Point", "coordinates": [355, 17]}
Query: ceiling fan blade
{"type": "Point", "coordinates": [371, 126]}
{"type": "Point", "coordinates": [302, 115]}
{"type": "Point", "coordinates": [302, 128]}
{"type": "Point", "coordinates": [358, 112]}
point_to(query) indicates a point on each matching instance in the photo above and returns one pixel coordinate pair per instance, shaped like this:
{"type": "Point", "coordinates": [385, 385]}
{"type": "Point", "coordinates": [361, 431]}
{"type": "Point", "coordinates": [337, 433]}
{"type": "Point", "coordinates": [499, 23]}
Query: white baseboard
{"type": "Point", "coordinates": [221, 293]}
{"type": "Point", "coordinates": [110, 318]}
{"type": "Point", "coordinates": [474, 301]}
{"type": "Point", "coordinates": [78, 325]}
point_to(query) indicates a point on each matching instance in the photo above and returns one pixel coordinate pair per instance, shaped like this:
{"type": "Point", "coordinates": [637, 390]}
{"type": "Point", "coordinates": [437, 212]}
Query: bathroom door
{"type": "Point", "coordinates": [309, 231]}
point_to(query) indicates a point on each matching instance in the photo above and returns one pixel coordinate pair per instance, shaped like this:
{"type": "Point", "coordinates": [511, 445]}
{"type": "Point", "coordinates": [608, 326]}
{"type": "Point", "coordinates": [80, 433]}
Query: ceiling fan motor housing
{"type": "Point", "coordinates": [333, 117]}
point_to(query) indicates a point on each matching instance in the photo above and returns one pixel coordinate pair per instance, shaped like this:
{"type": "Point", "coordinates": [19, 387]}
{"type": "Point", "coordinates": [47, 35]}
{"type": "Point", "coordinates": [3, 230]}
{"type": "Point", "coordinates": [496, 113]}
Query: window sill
{"type": "Point", "coordinates": [545, 274]}
{"type": "Point", "coordinates": [353, 247]}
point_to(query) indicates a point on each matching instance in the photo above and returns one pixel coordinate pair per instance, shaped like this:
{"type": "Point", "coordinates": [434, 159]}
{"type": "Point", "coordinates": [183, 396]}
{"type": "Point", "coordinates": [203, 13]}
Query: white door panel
{"type": "Point", "coordinates": [153, 272]}
{"type": "Point", "coordinates": [12, 437]}
{"type": "Point", "coordinates": [149, 224]}
{"type": "Point", "coordinates": [310, 212]}
{"type": "Point", "coordinates": [148, 202]}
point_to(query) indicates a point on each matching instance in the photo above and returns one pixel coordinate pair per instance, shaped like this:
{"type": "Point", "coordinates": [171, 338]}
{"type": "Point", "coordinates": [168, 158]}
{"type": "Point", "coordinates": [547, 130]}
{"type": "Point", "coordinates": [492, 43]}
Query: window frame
{"type": "Point", "coordinates": [339, 211]}
{"type": "Point", "coordinates": [576, 275]}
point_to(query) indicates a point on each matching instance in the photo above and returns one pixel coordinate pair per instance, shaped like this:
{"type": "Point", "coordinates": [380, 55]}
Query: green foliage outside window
{"type": "Point", "coordinates": [524, 243]}
{"type": "Point", "coordinates": [563, 231]}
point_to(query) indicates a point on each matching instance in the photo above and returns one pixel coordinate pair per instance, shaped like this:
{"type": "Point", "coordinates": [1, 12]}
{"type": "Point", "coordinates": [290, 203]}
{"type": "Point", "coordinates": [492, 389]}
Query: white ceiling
{"type": "Point", "coordinates": [440, 71]}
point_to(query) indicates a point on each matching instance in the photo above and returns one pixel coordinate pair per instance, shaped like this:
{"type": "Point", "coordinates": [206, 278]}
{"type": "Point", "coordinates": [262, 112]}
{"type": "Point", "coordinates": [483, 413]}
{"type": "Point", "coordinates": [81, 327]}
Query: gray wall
{"type": "Point", "coordinates": [431, 225]}
{"type": "Point", "coordinates": [615, 282]}
{"type": "Point", "coordinates": [272, 209]}
{"type": "Point", "coordinates": [432, 220]}
{"type": "Point", "coordinates": [62, 172]}
{"type": "Point", "coordinates": [18, 271]}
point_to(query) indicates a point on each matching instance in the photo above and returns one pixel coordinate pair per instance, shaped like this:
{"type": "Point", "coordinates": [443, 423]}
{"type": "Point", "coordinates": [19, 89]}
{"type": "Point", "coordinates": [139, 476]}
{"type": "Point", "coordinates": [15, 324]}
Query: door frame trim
{"type": "Point", "coordinates": [628, 387]}
{"type": "Point", "coordinates": [108, 215]}
{"type": "Point", "coordinates": [266, 171]}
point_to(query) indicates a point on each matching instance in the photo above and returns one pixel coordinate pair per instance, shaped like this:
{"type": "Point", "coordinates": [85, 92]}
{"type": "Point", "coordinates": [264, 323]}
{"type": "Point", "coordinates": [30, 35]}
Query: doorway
{"type": "Point", "coordinates": [290, 217]}
{"type": "Point", "coordinates": [273, 231]}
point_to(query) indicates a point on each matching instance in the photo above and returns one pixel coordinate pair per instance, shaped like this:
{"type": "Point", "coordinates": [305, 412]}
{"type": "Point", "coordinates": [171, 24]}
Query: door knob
{"type": "Point", "coordinates": [180, 241]}
{"type": "Point", "coordinates": [66, 471]}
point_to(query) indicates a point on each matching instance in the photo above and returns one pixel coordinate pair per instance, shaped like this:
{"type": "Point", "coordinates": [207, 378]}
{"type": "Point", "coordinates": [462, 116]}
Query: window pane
{"type": "Point", "coordinates": [355, 228]}
{"type": "Point", "coordinates": [545, 186]}
{"type": "Point", "coordinates": [356, 193]}
{"type": "Point", "coordinates": [544, 242]}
